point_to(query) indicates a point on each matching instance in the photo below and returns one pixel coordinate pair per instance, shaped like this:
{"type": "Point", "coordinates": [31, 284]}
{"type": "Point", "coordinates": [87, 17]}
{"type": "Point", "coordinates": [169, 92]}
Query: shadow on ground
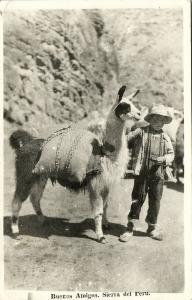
{"type": "Point", "coordinates": [29, 225]}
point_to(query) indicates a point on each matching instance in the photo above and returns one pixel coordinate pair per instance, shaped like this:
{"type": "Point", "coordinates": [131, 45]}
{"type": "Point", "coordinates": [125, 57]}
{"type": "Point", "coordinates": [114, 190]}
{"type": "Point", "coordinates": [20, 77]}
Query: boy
{"type": "Point", "coordinates": [153, 152]}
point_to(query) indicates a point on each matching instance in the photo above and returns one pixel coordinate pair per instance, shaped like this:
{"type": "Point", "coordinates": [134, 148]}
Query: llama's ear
{"type": "Point", "coordinates": [120, 93]}
{"type": "Point", "coordinates": [133, 95]}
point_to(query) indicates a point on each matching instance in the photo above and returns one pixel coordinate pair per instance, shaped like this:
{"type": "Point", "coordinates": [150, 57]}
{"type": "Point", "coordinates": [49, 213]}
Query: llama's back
{"type": "Point", "coordinates": [171, 129]}
{"type": "Point", "coordinates": [71, 155]}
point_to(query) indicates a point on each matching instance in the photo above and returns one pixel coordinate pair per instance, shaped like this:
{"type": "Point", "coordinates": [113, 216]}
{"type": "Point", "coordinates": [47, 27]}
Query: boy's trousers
{"type": "Point", "coordinates": [144, 184]}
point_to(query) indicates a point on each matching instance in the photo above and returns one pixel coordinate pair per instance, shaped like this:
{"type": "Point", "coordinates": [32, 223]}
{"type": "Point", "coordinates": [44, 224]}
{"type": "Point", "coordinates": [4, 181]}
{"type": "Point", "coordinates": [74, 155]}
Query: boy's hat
{"type": "Point", "coordinates": [160, 110]}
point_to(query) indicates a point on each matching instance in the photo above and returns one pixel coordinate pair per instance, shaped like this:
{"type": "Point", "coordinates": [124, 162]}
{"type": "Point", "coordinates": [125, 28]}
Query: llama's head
{"type": "Point", "coordinates": [124, 108]}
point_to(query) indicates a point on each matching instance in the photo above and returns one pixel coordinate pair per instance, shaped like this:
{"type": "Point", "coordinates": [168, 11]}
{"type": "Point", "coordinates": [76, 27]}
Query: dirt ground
{"type": "Point", "coordinates": [64, 255]}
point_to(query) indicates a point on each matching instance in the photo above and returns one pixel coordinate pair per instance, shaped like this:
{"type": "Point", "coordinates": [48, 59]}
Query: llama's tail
{"type": "Point", "coordinates": [19, 138]}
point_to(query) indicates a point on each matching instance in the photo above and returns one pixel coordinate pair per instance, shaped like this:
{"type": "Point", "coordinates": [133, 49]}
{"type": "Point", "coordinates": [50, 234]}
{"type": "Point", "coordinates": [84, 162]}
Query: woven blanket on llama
{"type": "Point", "coordinates": [71, 154]}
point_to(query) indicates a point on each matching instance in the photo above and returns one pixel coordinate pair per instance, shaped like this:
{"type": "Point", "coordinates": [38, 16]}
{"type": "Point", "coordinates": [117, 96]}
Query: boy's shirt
{"type": "Point", "coordinates": [146, 144]}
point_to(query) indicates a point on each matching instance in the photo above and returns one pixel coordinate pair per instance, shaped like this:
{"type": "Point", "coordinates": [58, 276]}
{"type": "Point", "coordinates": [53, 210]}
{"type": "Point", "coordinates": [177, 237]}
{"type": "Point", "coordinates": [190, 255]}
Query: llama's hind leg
{"type": "Point", "coordinates": [21, 194]}
{"type": "Point", "coordinates": [35, 197]}
{"type": "Point", "coordinates": [16, 206]}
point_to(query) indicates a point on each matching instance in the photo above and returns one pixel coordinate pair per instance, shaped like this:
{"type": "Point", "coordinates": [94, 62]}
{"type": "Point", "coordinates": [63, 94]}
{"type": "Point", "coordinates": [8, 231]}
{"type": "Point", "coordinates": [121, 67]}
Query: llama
{"type": "Point", "coordinates": [113, 158]}
{"type": "Point", "coordinates": [178, 165]}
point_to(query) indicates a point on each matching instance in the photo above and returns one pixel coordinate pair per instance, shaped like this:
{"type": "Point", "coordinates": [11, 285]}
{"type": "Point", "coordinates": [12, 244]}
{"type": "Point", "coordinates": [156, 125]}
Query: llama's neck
{"type": "Point", "coordinates": [114, 135]}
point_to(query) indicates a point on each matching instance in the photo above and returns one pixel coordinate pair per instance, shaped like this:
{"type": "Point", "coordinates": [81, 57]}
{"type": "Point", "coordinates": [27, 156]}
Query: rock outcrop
{"type": "Point", "coordinates": [68, 64]}
{"type": "Point", "coordinates": [55, 66]}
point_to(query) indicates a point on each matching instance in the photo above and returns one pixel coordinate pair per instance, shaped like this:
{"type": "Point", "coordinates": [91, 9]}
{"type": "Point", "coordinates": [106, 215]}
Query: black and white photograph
{"type": "Point", "coordinates": [96, 170]}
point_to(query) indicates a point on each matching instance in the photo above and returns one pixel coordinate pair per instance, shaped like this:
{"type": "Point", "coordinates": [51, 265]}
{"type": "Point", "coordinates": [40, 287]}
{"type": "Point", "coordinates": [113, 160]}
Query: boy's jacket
{"type": "Point", "coordinates": [137, 140]}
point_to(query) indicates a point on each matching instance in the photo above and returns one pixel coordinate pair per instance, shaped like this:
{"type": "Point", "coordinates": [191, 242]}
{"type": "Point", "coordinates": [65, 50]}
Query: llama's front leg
{"type": "Point", "coordinates": [98, 229]}
{"type": "Point", "coordinates": [105, 222]}
{"type": "Point", "coordinates": [105, 196]}
{"type": "Point", "coordinates": [97, 207]}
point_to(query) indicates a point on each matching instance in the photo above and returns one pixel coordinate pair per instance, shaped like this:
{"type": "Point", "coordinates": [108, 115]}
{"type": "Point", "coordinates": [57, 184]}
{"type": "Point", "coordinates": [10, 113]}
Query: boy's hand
{"type": "Point", "coordinates": [160, 160]}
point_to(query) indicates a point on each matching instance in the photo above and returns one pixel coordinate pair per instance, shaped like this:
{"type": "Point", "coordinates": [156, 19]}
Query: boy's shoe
{"type": "Point", "coordinates": [154, 234]}
{"type": "Point", "coordinates": [128, 233]}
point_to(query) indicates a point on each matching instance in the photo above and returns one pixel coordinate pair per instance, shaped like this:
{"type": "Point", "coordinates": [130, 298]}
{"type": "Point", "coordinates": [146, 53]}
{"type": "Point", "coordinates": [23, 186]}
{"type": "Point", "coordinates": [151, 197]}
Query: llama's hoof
{"type": "Point", "coordinates": [102, 240]}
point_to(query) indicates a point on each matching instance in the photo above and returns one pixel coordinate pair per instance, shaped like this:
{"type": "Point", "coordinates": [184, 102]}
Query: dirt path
{"type": "Point", "coordinates": [63, 255]}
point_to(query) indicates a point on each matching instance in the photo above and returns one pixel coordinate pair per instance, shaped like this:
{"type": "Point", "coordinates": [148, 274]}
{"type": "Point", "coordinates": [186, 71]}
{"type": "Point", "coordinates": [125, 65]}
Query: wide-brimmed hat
{"type": "Point", "coordinates": [160, 110]}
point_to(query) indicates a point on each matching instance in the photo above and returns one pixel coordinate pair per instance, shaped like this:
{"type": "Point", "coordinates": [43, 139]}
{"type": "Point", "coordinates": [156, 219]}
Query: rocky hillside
{"type": "Point", "coordinates": [68, 64]}
{"type": "Point", "coordinates": [148, 44]}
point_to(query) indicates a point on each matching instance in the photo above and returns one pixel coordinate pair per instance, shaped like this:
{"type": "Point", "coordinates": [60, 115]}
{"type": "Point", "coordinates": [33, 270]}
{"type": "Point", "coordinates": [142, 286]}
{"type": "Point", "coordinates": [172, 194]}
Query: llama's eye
{"type": "Point", "coordinates": [127, 108]}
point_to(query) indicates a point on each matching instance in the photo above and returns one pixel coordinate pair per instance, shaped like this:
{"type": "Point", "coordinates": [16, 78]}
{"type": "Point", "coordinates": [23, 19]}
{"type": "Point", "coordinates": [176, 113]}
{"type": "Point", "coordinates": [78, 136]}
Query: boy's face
{"type": "Point", "coordinates": [157, 122]}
